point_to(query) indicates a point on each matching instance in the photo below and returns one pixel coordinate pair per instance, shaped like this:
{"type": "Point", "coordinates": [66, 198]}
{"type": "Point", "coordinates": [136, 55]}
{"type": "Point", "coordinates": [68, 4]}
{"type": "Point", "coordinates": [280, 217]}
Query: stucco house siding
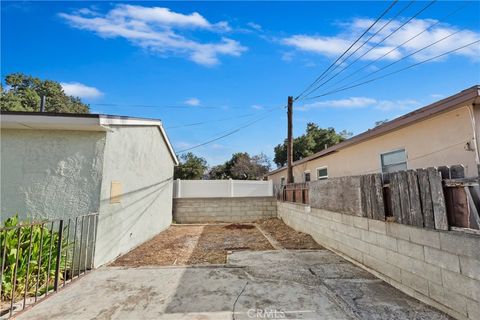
{"type": "Point", "coordinates": [50, 174]}
{"type": "Point", "coordinates": [138, 160]}
{"type": "Point", "coordinates": [437, 140]}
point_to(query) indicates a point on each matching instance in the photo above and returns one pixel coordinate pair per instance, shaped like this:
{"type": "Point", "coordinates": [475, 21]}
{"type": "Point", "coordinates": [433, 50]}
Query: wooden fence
{"type": "Point", "coordinates": [435, 198]}
{"type": "Point", "coordinates": [413, 197]}
{"type": "Point", "coordinates": [295, 192]}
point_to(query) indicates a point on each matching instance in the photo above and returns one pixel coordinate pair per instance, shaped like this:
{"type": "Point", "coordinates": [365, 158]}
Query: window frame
{"type": "Point", "coordinates": [394, 151]}
{"type": "Point", "coordinates": [323, 177]}
{"type": "Point", "coordinates": [304, 173]}
{"type": "Point", "coordinates": [283, 181]}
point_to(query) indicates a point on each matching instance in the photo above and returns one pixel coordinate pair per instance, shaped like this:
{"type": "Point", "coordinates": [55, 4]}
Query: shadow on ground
{"type": "Point", "coordinates": [271, 284]}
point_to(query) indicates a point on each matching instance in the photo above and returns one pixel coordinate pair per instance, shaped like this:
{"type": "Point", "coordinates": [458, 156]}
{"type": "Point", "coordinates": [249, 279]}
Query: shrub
{"type": "Point", "coordinates": [35, 269]}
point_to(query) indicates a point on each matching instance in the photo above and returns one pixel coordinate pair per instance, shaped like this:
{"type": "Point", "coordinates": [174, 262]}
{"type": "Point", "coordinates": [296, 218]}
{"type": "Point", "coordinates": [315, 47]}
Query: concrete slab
{"type": "Point", "coordinates": [253, 285]}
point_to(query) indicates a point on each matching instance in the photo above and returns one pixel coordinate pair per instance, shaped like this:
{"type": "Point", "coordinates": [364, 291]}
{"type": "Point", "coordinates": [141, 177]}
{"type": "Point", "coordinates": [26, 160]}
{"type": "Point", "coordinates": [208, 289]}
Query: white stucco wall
{"type": "Point", "coordinates": [138, 159]}
{"type": "Point", "coordinates": [50, 174]}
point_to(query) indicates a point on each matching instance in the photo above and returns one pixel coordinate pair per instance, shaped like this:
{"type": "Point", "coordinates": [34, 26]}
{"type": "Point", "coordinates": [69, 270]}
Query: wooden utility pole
{"type": "Point", "coordinates": [290, 141]}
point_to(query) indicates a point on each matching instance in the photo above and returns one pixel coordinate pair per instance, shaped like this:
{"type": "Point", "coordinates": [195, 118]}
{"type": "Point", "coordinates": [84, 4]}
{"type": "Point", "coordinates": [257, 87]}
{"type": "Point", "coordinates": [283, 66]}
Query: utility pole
{"type": "Point", "coordinates": [42, 104]}
{"type": "Point", "coordinates": [290, 141]}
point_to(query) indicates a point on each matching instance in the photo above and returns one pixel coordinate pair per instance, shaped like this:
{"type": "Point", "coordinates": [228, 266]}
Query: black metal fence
{"type": "Point", "coordinates": [39, 258]}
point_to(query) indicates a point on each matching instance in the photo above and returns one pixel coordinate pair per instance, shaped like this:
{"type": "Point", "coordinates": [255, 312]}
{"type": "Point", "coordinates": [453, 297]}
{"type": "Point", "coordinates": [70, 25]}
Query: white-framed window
{"type": "Point", "coordinates": [306, 176]}
{"type": "Point", "coordinates": [395, 160]}
{"type": "Point", "coordinates": [322, 173]}
{"type": "Point", "coordinates": [282, 181]}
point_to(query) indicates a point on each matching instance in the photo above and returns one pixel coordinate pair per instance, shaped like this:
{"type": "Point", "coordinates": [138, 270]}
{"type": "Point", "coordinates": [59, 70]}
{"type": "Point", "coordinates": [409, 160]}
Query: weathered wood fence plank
{"type": "Point", "coordinates": [426, 198]}
{"type": "Point", "coordinates": [438, 199]}
{"type": "Point", "coordinates": [395, 197]}
{"type": "Point", "coordinates": [416, 217]}
{"type": "Point", "coordinates": [404, 197]}
{"type": "Point", "coordinates": [379, 203]}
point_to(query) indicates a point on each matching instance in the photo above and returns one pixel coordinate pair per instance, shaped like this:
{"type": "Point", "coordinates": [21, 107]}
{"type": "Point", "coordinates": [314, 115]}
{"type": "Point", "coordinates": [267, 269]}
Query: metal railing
{"type": "Point", "coordinates": [38, 258]}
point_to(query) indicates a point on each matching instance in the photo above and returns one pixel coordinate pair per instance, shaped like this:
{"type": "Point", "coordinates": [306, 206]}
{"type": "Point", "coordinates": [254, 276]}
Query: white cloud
{"type": "Point", "coordinates": [192, 102]}
{"type": "Point", "coordinates": [333, 46]}
{"type": "Point", "coordinates": [158, 30]}
{"type": "Point", "coordinates": [361, 102]}
{"type": "Point", "coordinates": [80, 90]}
{"type": "Point", "coordinates": [255, 26]}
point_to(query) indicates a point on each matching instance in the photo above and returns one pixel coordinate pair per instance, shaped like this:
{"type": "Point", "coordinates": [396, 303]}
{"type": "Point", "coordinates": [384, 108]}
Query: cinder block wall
{"type": "Point", "coordinates": [440, 268]}
{"type": "Point", "coordinates": [240, 209]}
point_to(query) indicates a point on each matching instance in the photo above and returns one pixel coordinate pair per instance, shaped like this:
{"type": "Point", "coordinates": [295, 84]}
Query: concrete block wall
{"type": "Point", "coordinates": [440, 268]}
{"type": "Point", "coordinates": [239, 209]}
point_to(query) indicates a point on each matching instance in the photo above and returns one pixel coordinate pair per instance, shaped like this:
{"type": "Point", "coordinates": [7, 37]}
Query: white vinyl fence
{"type": "Point", "coordinates": [221, 188]}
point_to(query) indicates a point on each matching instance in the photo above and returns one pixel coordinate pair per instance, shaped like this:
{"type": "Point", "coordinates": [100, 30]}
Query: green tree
{"type": "Point", "coordinates": [313, 140]}
{"type": "Point", "coordinates": [242, 166]}
{"type": "Point", "coordinates": [24, 92]}
{"type": "Point", "coordinates": [191, 167]}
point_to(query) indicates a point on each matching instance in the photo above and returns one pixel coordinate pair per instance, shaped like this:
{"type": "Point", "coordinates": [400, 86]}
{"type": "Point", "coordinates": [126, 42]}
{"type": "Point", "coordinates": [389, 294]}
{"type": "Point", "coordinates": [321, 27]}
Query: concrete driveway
{"type": "Point", "coordinates": [280, 284]}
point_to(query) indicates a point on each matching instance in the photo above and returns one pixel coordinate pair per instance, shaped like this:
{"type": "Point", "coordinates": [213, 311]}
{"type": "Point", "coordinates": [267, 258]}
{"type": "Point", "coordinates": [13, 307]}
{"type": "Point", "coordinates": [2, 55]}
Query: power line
{"type": "Point", "coordinates": [400, 45]}
{"type": "Point", "coordinates": [345, 52]}
{"type": "Point", "coordinates": [165, 106]}
{"type": "Point", "coordinates": [409, 55]}
{"type": "Point", "coordinates": [229, 133]}
{"type": "Point", "coordinates": [210, 121]}
{"type": "Point", "coordinates": [379, 42]}
{"type": "Point", "coordinates": [394, 72]}
{"type": "Point", "coordinates": [358, 48]}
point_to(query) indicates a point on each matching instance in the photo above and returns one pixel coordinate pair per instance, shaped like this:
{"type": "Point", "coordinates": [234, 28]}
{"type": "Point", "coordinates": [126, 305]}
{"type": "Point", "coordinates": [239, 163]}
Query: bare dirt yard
{"type": "Point", "coordinates": [231, 271]}
{"type": "Point", "coordinates": [286, 236]}
{"type": "Point", "coordinates": [210, 244]}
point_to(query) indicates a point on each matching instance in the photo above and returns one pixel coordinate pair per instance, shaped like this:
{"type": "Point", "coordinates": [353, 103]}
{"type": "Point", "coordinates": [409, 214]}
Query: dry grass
{"type": "Point", "coordinates": [187, 245]}
{"type": "Point", "coordinates": [209, 244]}
{"type": "Point", "coordinates": [286, 236]}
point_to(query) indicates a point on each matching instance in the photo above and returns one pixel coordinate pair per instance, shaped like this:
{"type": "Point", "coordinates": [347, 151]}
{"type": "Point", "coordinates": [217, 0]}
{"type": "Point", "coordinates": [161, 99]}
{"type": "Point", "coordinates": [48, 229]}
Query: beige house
{"type": "Point", "coordinates": [442, 133]}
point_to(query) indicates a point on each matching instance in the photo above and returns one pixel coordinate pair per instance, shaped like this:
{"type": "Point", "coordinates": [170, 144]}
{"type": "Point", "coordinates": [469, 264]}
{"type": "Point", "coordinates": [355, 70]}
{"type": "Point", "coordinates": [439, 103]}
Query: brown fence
{"type": "Point", "coordinates": [295, 192]}
{"type": "Point", "coordinates": [434, 198]}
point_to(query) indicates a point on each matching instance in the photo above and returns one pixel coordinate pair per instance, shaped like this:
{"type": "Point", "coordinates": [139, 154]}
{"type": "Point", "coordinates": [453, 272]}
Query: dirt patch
{"type": "Point", "coordinates": [286, 236]}
{"type": "Point", "coordinates": [239, 226]}
{"type": "Point", "coordinates": [187, 245]}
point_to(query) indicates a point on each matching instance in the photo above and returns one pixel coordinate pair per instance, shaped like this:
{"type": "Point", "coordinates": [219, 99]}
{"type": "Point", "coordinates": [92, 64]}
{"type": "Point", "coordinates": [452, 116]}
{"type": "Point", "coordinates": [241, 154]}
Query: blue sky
{"type": "Point", "coordinates": [238, 60]}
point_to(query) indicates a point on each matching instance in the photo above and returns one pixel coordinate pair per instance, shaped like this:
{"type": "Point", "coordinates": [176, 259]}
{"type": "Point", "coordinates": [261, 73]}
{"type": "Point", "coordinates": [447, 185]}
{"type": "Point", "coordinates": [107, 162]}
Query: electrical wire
{"type": "Point", "coordinates": [394, 72]}
{"type": "Point", "coordinates": [402, 44]}
{"type": "Point", "coordinates": [231, 132]}
{"type": "Point", "coordinates": [164, 106]}
{"type": "Point", "coordinates": [409, 55]}
{"type": "Point", "coordinates": [211, 121]}
{"type": "Point", "coordinates": [379, 42]}
{"type": "Point", "coordinates": [348, 49]}
{"type": "Point", "coordinates": [361, 46]}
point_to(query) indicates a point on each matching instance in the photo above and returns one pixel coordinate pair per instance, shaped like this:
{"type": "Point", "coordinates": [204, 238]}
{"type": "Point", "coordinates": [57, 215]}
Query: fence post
{"type": "Point", "coordinates": [231, 187]}
{"type": "Point", "coordinates": [59, 256]}
{"type": "Point", "coordinates": [179, 188]}
{"type": "Point", "coordinates": [270, 188]}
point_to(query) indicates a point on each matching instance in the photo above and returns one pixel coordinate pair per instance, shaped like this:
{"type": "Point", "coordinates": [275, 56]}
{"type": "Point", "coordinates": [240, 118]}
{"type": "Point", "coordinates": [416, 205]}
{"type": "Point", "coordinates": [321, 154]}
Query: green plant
{"type": "Point", "coordinates": [38, 242]}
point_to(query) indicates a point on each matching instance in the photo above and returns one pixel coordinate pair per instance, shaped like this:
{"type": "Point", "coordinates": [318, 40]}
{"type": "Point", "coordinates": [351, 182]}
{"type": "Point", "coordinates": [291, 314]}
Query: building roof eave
{"type": "Point", "coordinates": [466, 97]}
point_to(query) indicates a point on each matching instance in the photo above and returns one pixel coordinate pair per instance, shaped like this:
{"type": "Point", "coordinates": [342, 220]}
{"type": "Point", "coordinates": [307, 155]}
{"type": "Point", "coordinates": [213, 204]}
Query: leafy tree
{"type": "Point", "coordinates": [313, 140]}
{"type": "Point", "coordinates": [242, 166]}
{"type": "Point", "coordinates": [191, 167]}
{"type": "Point", "coordinates": [218, 172]}
{"type": "Point", "coordinates": [24, 94]}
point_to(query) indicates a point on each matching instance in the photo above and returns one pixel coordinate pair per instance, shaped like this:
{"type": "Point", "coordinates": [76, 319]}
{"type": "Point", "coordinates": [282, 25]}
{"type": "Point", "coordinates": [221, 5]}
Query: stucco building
{"type": "Point", "coordinates": [66, 165]}
{"type": "Point", "coordinates": [443, 133]}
